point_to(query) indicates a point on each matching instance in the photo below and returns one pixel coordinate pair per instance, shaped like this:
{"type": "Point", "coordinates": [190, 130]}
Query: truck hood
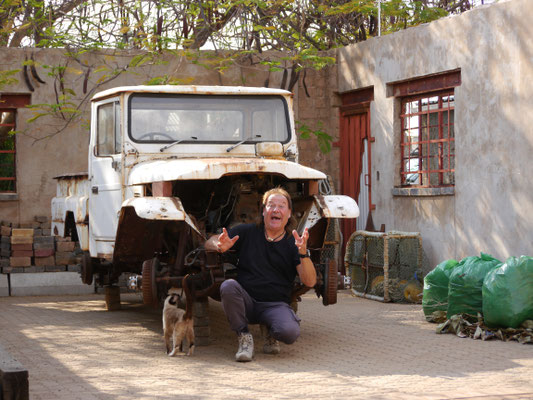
{"type": "Point", "coordinates": [214, 168]}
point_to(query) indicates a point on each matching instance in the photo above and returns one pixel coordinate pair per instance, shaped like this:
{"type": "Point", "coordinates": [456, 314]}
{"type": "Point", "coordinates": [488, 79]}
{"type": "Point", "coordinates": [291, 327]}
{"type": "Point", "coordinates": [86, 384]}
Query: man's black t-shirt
{"type": "Point", "coordinates": [266, 270]}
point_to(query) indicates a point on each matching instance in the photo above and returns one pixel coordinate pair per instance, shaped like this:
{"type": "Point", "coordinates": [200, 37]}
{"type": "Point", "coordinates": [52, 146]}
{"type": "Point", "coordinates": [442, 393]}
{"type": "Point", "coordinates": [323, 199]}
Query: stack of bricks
{"type": "Point", "coordinates": [30, 247]}
{"type": "Point", "coordinates": [21, 247]}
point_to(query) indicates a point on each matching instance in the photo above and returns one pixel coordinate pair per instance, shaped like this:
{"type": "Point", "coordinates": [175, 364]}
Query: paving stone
{"type": "Point", "coordinates": [21, 239]}
{"type": "Point", "coordinates": [55, 268]}
{"type": "Point", "coordinates": [43, 252]}
{"type": "Point", "coordinates": [65, 246]}
{"type": "Point", "coordinates": [45, 261]}
{"type": "Point", "coordinates": [44, 239]}
{"type": "Point", "coordinates": [20, 261]}
{"type": "Point", "coordinates": [22, 253]}
{"type": "Point", "coordinates": [44, 246]}
{"type": "Point", "coordinates": [21, 233]}
{"type": "Point", "coordinates": [33, 269]}
{"type": "Point", "coordinates": [74, 268]}
{"type": "Point", "coordinates": [65, 258]}
{"type": "Point", "coordinates": [23, 247]}
{"type": "Point", "coordinates": [356, 349]}
{"type": "Point", "coordinates": [202, 331]}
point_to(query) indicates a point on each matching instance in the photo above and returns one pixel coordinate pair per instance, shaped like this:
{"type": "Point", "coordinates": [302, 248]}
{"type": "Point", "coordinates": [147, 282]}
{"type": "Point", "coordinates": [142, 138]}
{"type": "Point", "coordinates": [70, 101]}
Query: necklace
{"type": "Point", "coordinates": [273, 239]}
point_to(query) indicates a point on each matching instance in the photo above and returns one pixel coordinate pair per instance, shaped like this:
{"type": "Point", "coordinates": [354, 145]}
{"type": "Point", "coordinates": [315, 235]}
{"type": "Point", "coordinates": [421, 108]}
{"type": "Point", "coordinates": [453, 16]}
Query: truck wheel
{"type": "Point", "coordinates": [86, 268]}
{"type": "Point", "coordinates": [149, 287]}
{"type": "Point", "coordinates": [330, 283]}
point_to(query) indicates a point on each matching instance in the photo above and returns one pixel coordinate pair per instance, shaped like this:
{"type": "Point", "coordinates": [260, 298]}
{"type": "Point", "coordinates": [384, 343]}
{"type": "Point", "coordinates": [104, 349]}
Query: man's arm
{"type": "Point", "coordinates": [220, 243]}
{"type": "Point", "coordinates": [306, 269]}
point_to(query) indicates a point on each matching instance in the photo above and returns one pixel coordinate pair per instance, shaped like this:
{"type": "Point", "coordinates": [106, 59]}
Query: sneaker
{"type": "Point", "coordinates": [271, 345]}
{"type": "Point", "coordinates": [246, 347]}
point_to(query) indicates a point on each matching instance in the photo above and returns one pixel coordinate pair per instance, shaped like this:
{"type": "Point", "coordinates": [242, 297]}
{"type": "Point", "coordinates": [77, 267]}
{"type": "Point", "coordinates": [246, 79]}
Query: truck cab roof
{"type": "Point", "coordinates": [191, 89]}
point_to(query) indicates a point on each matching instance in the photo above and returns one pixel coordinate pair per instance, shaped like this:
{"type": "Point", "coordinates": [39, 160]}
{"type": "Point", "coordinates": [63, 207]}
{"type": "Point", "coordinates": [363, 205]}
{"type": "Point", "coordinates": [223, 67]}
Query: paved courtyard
{"type": "Point", "coordinates": [356, 349]}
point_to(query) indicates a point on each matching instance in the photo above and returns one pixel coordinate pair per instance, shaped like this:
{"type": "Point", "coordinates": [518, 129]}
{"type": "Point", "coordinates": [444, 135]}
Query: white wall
{"type": "Point", "coordinates": [492, 209]}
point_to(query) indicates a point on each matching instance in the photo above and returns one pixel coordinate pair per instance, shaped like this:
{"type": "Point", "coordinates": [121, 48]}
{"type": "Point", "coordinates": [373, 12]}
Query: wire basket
{"type": "Point", "coordinates": [384, 266]}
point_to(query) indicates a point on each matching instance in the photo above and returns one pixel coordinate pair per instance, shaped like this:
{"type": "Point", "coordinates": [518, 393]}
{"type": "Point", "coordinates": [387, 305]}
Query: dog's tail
{"type": "Point", "coordinates": [189, 296]}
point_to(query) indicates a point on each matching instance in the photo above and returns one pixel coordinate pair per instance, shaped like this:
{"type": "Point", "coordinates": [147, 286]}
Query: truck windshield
{"type": "Point", "coordinates": [166, 118]}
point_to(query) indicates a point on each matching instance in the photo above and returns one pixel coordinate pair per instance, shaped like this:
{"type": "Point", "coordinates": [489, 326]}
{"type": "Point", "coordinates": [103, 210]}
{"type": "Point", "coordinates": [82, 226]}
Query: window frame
{"type": "Point", "coordinates": [117, 138]}
{"type": "Point", "coordinates": [446, 137]}
{"type": "Point", "coordinates": [13, 126]}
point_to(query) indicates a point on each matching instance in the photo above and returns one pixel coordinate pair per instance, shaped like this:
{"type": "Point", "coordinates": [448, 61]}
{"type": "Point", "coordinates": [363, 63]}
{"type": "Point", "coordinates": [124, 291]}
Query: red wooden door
{"type": "Point", "coordinates": [355, 128]}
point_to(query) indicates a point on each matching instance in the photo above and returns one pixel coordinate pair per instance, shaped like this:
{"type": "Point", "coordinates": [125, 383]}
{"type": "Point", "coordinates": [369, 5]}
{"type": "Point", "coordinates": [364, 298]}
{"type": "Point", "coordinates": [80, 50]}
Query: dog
{"type": "Point", "coordinates": [177, 325]}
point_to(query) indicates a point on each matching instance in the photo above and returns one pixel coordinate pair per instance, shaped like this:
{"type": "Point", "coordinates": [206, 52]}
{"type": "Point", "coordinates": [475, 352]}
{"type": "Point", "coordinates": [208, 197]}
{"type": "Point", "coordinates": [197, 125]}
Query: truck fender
{"type": "Point", "coordinates": [160, 208]}
{"type": "Point", "coordinates": [328, 206]}
{"type": "Point", "coordinates": [141, 222]}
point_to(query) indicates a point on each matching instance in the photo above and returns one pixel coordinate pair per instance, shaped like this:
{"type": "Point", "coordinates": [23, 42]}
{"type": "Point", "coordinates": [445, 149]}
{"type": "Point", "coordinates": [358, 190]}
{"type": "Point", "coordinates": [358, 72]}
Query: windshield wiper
{"type": "Point", "coordinates": [175, 143]}
{"type": "Point", "coordinates": [241, 142]}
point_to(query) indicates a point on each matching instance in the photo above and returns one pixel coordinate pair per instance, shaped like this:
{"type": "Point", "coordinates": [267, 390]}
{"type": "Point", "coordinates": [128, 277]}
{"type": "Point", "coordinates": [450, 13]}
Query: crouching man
{"type": "Point", "coordinates": [269, 259]}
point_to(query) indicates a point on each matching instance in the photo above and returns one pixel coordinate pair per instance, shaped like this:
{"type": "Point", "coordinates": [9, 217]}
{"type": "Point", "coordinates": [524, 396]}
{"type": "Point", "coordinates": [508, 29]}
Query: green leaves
{"type": "Point", "coordinates": [323, 139]}
{"type": "Point", "coordinates": [7, 77]}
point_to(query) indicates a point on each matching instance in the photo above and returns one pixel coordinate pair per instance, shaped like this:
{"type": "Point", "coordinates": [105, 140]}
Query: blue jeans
{"type": "Point", "coordinates": [241, 309]}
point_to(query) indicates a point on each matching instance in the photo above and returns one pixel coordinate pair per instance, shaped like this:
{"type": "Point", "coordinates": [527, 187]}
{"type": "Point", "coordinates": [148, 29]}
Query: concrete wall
{"type": "Point", "coordinates": [492, 208]}
{"type": "Point", "coordinates": [41, 156]}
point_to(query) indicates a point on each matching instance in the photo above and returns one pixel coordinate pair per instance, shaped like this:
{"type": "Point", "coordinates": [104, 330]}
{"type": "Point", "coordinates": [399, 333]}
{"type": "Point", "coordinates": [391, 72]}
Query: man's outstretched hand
{"type": "Point", "coordinates": [225, 242]}
{"type": "Point", "coordinates": [301, 241]}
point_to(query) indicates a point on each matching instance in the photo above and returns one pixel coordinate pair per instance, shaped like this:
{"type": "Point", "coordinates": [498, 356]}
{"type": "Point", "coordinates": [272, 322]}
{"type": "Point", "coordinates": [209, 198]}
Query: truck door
{"type": "Point", "coordinates": [105, 197]}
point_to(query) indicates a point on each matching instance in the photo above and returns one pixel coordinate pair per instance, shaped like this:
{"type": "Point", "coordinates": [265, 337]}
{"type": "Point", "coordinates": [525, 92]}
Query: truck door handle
{"type": "Point", "coordinates": [94, 189]}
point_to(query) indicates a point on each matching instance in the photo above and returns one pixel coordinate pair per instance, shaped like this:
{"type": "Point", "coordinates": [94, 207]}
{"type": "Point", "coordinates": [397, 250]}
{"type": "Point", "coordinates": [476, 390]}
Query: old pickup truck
{"type": "Point", "coordinates": [171, 165]}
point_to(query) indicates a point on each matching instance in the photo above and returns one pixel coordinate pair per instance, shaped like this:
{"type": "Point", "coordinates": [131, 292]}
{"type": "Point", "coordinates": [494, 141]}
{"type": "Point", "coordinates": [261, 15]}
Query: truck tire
{"type": "Point", "coordinates": [329, 296]}
{"type": "Point", "coordinates": [149, 287]}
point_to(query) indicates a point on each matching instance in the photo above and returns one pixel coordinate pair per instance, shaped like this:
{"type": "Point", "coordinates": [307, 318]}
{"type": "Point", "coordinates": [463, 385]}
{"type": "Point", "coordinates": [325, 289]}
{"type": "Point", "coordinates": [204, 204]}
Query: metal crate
{"type": "Point", "coordinates": [381, 264]}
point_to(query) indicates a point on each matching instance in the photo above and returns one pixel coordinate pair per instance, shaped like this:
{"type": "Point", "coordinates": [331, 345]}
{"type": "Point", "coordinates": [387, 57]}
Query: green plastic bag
{"type": "Point", "coordinates": [466, 281]}
{"type": "Point", "coordinates": [508, 293]}
{"type": "Point", "coordinates": [435, 294]}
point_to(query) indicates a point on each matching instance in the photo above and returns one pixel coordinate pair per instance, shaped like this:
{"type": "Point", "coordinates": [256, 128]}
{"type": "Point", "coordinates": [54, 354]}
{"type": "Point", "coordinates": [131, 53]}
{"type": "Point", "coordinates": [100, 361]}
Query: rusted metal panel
{"type": "Point", "coordinates": [337, 206]}
{"type": "Point", "coordinates": [331, 206]}
{"type": "Point", "coordinates": [160, 208]}
{"type": "Point", "coordinates": [310, 218]}
{"type": "Point", "coordinates": [215, 168]}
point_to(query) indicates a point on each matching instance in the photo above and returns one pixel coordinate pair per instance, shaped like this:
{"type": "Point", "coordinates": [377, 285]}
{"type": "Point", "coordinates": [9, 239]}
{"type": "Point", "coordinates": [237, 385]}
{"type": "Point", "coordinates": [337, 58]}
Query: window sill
{"type": "Point", "coordinates": [423, 192]}
{"type": "Point", "coordinates": [9, 196]}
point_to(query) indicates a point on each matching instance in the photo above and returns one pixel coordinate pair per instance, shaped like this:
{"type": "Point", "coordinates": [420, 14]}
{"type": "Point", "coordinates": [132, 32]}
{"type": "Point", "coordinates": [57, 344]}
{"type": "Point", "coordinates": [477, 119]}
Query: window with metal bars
{"type": "Point", "coordinates": [8, 174]}
{"type": "Point", "coordinates": [428, 140]}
